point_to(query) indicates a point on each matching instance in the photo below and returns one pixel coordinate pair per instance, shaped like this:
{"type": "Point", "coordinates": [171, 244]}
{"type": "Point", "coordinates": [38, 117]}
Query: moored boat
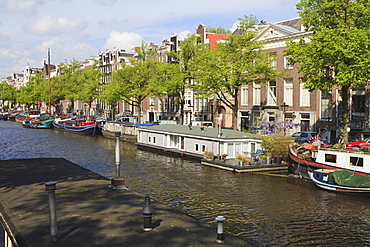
{"type": "Point", "coordinates": [305, 160]}
{"type": "Point", "coordinates": [340, 180]}
{"type": "Point", "coordinates": [20, 117]}
{"type": "Point", "coordinates": [4, 116]}
{"type": "Point", "coordinates": [36, 123]}
{"type": "Point", "coordinates": [78, 125]}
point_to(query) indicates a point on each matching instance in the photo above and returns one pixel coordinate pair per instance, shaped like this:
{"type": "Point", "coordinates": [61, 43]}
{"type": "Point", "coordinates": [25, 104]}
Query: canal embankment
{"type": "Point", "coordinates": [88, 211]}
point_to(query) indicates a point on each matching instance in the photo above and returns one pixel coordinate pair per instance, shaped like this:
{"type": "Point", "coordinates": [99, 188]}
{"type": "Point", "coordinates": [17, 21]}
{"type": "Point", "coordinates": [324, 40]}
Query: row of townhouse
{"type": "Point", "coordinates": [285, 99]}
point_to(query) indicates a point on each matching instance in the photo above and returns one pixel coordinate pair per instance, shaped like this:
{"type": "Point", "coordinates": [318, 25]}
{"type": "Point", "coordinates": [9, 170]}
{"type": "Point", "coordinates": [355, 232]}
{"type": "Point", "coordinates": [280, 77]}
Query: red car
{"type": "Point", "coordinates": [359, 144]}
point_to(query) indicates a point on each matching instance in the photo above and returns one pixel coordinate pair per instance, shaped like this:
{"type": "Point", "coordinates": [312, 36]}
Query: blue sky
{"type": "Point", "coordinates": [76, 29]}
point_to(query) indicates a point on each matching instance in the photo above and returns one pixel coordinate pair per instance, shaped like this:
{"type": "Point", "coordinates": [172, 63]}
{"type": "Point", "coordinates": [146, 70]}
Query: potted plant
{"type": "Point", "coordinates": [208, 155]}
{"type": "Point", "coordinates": [278, 146]}
{"type": "Point", "coordinates": [240, 158]}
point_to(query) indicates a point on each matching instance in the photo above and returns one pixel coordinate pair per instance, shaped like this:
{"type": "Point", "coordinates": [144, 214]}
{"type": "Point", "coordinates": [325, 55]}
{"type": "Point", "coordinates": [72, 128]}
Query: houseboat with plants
{"type": "Point", "coordinates": [195, 141]}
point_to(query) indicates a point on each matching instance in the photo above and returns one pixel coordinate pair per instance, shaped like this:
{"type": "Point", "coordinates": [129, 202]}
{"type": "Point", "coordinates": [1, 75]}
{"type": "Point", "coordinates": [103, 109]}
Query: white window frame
{"type": "Point", "coordinates": [288, 91]}
{"type": "Point", "coordinates": [304, 96]}
{"type": "Point", "coordinates": [256, 94]}
{"type": "Point", "coordinates": [271, 93]}
{"type": "Point", "coordinates": [244, 96]}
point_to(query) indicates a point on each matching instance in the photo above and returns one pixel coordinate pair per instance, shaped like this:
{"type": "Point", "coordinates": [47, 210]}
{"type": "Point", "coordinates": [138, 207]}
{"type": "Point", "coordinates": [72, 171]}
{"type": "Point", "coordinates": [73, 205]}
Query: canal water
{"type": "Point", "coordinates": [264, 210]}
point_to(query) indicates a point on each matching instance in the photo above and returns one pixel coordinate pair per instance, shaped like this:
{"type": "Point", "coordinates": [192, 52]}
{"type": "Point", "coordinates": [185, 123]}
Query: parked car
{"type": "Point", "coordinates": [305, 136]}
{"type": "Point", "coordinates": [359, 144]}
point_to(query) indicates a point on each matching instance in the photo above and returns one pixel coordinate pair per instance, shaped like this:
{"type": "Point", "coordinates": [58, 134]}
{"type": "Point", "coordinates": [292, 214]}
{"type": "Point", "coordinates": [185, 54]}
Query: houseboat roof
{"type": "Point", "coordinates": [201, 132]}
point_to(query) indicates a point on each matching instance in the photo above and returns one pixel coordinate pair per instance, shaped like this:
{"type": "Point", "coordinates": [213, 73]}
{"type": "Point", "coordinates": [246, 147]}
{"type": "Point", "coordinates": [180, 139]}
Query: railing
{"type": "Point", "coordinates": [5, 240]}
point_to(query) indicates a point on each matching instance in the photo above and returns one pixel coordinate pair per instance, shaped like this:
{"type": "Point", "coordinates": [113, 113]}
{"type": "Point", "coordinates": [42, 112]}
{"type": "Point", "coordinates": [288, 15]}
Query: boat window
{"type": "Point", "coordinates": [196, 147]}
{"type": "Point", "coordinates": [330, 158]}
{"type": "Point", "coordinates": [356, 161]}
{"type": "Point", "coordinates": [203, 148]}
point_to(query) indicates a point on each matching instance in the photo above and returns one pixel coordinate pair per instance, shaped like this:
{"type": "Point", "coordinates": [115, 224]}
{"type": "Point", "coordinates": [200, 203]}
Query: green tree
{"type": "Point", "coordinates": [337, 54]}
{"type": "Point", "coordinates": [134, 81]}
{"type": "Point", "coordinates": [238, 61]}
{"type": "Point", "coordinates": [179, 74]}
{"type": "Point", "coordinates": [32, 92]}
{"type": "Point", "coordinates": [68, 82]}
{"type": "Point", "coordinates": [7, 93]}
{"type": "Point", "coordinates": [88, 84]}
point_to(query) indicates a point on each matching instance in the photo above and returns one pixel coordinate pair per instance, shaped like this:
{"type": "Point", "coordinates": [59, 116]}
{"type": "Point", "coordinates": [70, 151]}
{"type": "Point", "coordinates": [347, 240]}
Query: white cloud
{"type": "Point", "coordinates": [105, 2]}
{"type": "Point", "coordinates": [57, 25]}
{"type": "Point", "coordinates": [26, 7]}
{"type": "Point", "coordinates": [123, 40]}
{"type": "Point", "coordinates": [62, 48]}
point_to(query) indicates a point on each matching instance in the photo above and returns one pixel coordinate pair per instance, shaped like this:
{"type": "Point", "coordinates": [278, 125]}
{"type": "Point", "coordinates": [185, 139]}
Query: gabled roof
{"type": "Point", "coordinates": [272, 31]}
{"type": "Point", "coordinates": [197, 131]}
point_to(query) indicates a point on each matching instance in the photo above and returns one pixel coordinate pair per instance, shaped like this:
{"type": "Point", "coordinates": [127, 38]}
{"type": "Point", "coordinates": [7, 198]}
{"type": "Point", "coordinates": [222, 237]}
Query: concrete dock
{"type": "Point", "coordinates": [88, 211]}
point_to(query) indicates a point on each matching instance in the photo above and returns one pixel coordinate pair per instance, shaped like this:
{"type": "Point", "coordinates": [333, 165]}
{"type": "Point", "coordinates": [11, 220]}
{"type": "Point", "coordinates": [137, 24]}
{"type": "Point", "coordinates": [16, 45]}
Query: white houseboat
{"type": "Point", "coordinates": [194, 140]}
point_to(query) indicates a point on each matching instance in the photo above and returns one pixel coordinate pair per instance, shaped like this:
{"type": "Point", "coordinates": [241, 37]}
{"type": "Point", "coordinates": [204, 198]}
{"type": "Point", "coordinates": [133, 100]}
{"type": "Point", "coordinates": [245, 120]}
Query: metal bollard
{"type": "Point", "coordinates": [147, 214]}
{"type": "Point", "coordinates": [220, 229]}
{"type": "Point", "coordinates": [50, 187]}
{"type": "Point", "coordinates": [118, 134]}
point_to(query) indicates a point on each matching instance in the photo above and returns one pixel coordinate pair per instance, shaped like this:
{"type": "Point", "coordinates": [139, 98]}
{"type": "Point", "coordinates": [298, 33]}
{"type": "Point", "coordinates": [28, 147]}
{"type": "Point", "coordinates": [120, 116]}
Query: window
{"type": "Point", "coordinates": [151, 140]}
{"type": "Point", "coordinates": [288, 92]}
{"type": "Point", "coordinates": [256, 94]}
{"type": "Point", "coordinates": [196, 147]}
{"type": "Point", "coordinates": [305, 121]}
{"type": "Point", "coordinates": [256, 119]}
{"type": "Point", "coordinates": [271, 97]}
{"type": "Point", "coordinates": [304, 96]}
{"type": "Point", "coordinates": [188, 98]}
{"type": "Point", "coordinates": [273, 59]}
{"type": "Point", "coordinates": [358, 104]}
{"type": "Point", "coordinates": [356, 161]}
{"type": "Point", "coordinates": [151, 100]}
{"type": "Point", "coordinates": [330, 158]}
{"type": "Point", "coordinates": [203, 148]}
{"type": "Point", "coordinates": [244, 96]}
{"type": "Point", "coordinates": [287, 63]}
{"type": "Point", "coordinates": [326, 105]}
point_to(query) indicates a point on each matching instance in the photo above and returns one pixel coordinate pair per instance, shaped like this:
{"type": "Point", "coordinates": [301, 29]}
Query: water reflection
{"type": "Point", "coordinates": [264, 210]}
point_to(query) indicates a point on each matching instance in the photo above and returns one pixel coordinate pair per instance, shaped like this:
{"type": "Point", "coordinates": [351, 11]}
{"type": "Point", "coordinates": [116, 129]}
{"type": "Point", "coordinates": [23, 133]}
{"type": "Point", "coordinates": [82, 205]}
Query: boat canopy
{"type": "Point", "coordinates": [349, 178]}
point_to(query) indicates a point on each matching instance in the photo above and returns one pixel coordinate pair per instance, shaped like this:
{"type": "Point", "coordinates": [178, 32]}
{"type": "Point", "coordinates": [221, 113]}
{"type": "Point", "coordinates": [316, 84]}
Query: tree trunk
{"type": "Point", "coordinates": [344, 117]}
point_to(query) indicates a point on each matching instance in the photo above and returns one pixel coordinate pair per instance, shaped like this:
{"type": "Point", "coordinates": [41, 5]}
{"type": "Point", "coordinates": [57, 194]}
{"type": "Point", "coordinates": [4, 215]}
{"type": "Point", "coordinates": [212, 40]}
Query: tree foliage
{"type": "Point", "coordinates": [179, 74]}
{"type": "Point", "coordinates": [337, 53]}
{"type": "Point", "coordinates": [238, 61]}
{"type": "Point", "coordinates": [134, 81]}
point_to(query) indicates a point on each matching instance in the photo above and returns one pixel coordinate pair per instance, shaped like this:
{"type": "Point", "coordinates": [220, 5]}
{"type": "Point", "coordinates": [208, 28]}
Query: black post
{"type": "Point", "coordinates": [50, 188]}
{"type": "Point", "coordinates": [147, 214]}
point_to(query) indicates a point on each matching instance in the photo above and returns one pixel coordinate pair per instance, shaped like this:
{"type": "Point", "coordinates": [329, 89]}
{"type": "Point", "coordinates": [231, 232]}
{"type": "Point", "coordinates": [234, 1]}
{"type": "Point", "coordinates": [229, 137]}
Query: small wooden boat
{"type": "Point", "coordinates": [343, 181]}
{"type": "Point", "coordinates": [20, 117]}
{"type": "Point", "coordinates": [78, 125]}
{"type": "Point", "coordinates": [36, 123]}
